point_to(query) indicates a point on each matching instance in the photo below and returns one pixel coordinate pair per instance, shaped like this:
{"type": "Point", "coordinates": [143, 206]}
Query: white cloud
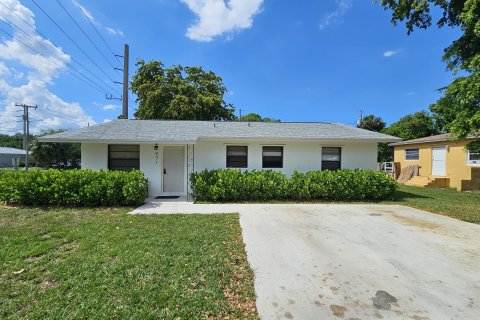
{"type": "Point", "coordinates": [390, 53]}
{"type": "Point", "coordinates": [106, 120]}
{"type": "Point", "coordinates": [40, 72]}
{"type": "Point", "coordinates": [114, 31]}
{"type": "Point", "coordinates": [85, 11]}
{"type": "Point", "coordinates": [335, 17]}
{"type": "Point", "coordinates": [89, 15]}
{"type": "Point", "coordinates": [110, 107]}
{"type": "Point", "coordinates": [216, 17]}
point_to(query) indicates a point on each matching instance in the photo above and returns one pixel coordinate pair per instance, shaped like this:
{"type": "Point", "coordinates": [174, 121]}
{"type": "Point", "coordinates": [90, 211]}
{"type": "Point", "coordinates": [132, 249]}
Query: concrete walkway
{"type": "Point", "coordinates": [315, 261]}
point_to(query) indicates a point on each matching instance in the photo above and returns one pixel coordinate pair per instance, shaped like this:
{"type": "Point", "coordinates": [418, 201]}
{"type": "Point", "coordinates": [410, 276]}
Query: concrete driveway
{"type": "Point", "coordinates": [356, 261]}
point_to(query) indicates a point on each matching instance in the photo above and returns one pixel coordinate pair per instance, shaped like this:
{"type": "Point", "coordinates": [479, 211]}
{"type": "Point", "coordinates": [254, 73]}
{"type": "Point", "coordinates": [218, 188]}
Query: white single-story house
{"type": "Point", "coordinates": [168, 151]}
{"type": "Point", "coordinates": [11, 157]}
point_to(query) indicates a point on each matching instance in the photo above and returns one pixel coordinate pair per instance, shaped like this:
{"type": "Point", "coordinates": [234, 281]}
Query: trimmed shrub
{"type": "Point", "coordinates": [74, 188]}
{"type": "Point", "coordinates": [342, 185]}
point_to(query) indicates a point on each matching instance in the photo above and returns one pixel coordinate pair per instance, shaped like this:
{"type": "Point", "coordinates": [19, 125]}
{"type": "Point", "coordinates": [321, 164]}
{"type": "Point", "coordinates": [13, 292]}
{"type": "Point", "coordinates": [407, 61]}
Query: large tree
{"type": "Point", "coordinates": [458, 111]}
{"type": "Point", "coordinates": [48, 154]}
{"type": "Point", "coordinates": [372, 123]}
{"type": "Point", "coordinates": [180, 93]}
{"type": "Point", "coordinates": [255, 117]}
{"type": "Point", "coordinates": [416, 125]}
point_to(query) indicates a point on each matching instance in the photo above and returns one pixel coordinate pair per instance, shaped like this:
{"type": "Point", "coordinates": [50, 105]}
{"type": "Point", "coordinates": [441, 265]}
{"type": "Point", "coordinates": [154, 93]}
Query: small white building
{"type": "Point", "coordinates": [11, 157]}
{"type": "Point", "coordinates": [168, 151]}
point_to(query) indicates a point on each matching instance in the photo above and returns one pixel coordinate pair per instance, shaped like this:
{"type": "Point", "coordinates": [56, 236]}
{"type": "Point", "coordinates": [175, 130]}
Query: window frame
{"type": "Point", "coordinates": [282, 150]}
{"type": "Point", "coordinates": [469, 162]}
{"type": "Point", "coordinates": [226, 157]}
{"type": "Point", "coordinates": [135, 159]}
{"type": "Point", "coordinates": [405, 154]}
{"type": "Point", "coordinates": [339, 161]}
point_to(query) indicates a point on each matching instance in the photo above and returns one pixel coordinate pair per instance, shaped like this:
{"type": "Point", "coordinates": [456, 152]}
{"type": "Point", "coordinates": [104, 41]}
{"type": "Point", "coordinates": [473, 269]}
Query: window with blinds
{"type": "Point", "coordinates": [331, 158]}
{"type": "Point", "coordinates": [123, 157]}
{"type": "Point", "coordinates": [412, 154]}
{"type": "Point", "coordinates": [237, 156]}
{"type": "Point", "coordinates": [272, 157]}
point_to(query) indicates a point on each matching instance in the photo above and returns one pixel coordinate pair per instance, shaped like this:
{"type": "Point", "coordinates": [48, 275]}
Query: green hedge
{"type": "Point", "coordinates": [73, 187]}
{"type": "Point", "coordinates": [342, 185]}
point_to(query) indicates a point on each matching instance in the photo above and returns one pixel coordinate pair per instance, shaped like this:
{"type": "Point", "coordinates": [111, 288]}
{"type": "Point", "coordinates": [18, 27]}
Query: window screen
{"type": "Point", "coordinates": [331, 158]}
{"type": "Point", "coordinates": [411, 154]}
{"type": "Point", "coordinates": [473, 157]}
{"type": "Point", "coordinates": [272, 157]}
{"type": "Point", "coordinates": [237, 156]}
{"type": "Point", "coordinates": [124, 157]}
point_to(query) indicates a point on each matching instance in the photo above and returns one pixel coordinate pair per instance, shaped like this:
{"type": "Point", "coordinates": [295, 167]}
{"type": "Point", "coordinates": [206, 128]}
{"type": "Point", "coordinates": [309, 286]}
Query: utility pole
{"type": "Point", "coordinates": [26, 129]}
{"type": "Point", "coordinates": [240, 111]}
{"type": "Point", "coordinates": [125, 81]}
{"type": "Point", "coordinates": [360, 120]}
{"type": "Point", "coordinates": [124, 97]}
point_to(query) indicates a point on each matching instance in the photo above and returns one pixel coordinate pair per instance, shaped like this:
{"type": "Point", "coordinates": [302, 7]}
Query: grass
{"type": "Point", "coordinates": [103, 263]}
{"type": "Point", "coordinates": [464, 206]}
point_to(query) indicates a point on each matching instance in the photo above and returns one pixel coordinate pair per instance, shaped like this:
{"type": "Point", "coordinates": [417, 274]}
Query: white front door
{"type": "Point", "coordinates": [439, 161]}
{"type": "Point", "coordinates": [173, 169]}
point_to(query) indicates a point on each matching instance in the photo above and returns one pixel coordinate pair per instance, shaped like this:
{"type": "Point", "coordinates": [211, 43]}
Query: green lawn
{"type": "Point", "coordinates": [103, 263]}
{"type": "Point", "coordinates": [449, 202]}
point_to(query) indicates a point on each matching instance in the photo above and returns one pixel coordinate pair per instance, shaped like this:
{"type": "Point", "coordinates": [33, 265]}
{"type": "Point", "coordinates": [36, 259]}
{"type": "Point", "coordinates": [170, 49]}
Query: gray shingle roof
{"type": "Point", "coordinates": [170, 131]}
{"type": "Point", "coordinates": [4, 150]}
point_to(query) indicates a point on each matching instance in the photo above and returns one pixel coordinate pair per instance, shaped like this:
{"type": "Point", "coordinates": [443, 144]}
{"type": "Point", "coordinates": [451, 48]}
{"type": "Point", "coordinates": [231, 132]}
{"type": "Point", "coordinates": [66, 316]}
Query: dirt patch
{"type": "Point", "coordinates": [414, 222]}
{"type": "Point", "coordinates": [338, 311]}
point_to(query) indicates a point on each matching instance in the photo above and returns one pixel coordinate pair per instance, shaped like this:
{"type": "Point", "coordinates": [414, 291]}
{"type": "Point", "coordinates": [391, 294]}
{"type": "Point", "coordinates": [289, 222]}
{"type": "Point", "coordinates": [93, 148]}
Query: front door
{"type": "Point", "coordinates": [439, 161]}
{"type": "Point", "coordinates": [173, 169]}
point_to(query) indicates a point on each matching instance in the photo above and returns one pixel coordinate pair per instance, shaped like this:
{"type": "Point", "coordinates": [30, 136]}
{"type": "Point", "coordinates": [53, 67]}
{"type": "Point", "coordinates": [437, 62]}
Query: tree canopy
{"type": "Point", "coordinates": [372, 123]}
{"type": "Point", "coordinates": [412, 126]}
{"type": "Point", "coordinates": [12, 141]}
{"type": "Point", "coordinates": [458, 110]}
{"type": "Point", "coordinates": [180, 93]}
{"type": "Point", "coordinates": [48, 154]}
{"type": "Point", "coordinates": [255, 117]}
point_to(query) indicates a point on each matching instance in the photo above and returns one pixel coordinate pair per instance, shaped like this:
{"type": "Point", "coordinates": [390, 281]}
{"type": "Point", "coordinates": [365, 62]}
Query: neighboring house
{"type": "Point", "coordinates": [9, 155]}
{"type": "Point", "coordinates": [168, 151]}
{"type": "Point", "coordinates": [442, 162]}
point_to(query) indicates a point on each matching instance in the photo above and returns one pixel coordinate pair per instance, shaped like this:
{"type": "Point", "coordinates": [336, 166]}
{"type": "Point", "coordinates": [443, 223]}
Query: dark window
{"type": "Point", "coordinates": [123, 157]}
{"type": "Point", "coordinates": [272, 157]}
{"type": "Point", "coordinates": [237, 156]}
{"type": "Point", "coordinates": [473, 157]}
{"type": "Point", "coordinates": [331, 158]}
{"type": "Point", "coordinates": [411, 154]}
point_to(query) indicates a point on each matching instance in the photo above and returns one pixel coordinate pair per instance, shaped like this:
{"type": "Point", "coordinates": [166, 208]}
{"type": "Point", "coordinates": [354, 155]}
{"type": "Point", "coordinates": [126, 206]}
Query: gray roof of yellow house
{"type": "Point", "coordinates": [171, 131]}
{"type": "Point", "coordinates": [436, 138]}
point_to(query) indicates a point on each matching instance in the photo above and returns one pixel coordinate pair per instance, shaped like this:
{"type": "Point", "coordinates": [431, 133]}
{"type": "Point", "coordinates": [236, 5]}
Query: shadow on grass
{"type": "Point", "coordinates": [402, 195]}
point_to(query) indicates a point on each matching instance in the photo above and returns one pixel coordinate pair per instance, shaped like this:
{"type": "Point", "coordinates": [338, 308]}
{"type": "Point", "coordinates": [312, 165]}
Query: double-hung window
{"type": "Point", "coordinates": [272, 157]}
{"type": "Point", "coordinates": [412, 154]}
{"type": "Point", "coordinates": [331, 158]}
{"type": "Point", "coordinates": [237, 156]}
{"type": "Point", "coordinates": [123, 157]}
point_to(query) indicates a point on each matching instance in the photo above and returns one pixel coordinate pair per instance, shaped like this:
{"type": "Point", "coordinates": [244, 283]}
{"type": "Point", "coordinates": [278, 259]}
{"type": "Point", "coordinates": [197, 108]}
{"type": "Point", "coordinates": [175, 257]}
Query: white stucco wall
{"type": "Point", "coordinates": [94, 156]}
{"type": "Point", "coordinates": [300, 155]}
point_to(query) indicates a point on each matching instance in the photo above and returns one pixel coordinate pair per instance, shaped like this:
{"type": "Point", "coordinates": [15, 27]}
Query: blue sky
{"type": "Point", "coordinates": [292, 60]}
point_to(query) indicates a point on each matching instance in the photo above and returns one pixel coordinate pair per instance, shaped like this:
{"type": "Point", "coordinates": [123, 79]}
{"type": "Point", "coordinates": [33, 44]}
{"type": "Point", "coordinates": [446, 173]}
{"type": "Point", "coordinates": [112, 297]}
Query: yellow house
{"type": "Point", "coordinates": [442, 162]}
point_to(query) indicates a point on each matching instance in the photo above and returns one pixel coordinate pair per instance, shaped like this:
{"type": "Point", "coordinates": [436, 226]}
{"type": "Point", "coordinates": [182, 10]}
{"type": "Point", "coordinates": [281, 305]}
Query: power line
{"type": "Point", "coordinates": [97, 31]}
{"type": "Point", "coordinates": [71, 40]}
{"type": "Point", "coordinates": [33, 49]}
{"type": "Point", "coordinates": [53, 53]}
{"type": "Point", "coordinates": [85, 34]}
